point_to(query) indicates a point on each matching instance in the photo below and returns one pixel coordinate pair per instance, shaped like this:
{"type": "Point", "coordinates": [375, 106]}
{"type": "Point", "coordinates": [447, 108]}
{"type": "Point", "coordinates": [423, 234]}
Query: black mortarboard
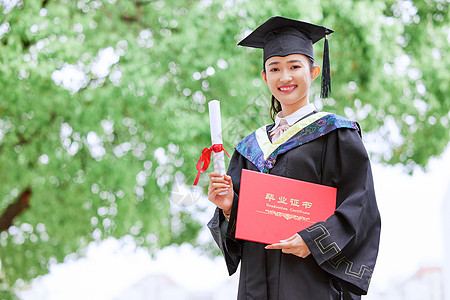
{"type": "Point", "coordinates": [280, 36]}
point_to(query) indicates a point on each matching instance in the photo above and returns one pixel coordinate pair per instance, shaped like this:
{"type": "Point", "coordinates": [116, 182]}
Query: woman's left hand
{"type": "Point", "coordinates": [293, 245]}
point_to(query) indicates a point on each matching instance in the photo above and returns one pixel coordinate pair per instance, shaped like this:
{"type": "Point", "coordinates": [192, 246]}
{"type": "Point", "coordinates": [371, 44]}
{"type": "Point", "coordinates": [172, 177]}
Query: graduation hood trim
{"type": "Point", "coordinates": [258, 149]}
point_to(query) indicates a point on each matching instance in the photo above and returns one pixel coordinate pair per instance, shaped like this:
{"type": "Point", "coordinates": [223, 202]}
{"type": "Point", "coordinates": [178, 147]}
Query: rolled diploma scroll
{"type": "Point", "coordinates": [216, 136]}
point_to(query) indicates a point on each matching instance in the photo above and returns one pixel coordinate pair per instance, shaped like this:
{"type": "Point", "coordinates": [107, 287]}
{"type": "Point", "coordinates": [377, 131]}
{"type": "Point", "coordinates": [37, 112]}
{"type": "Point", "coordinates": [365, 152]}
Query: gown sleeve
{"type": "Point", "coordinates": [222, 231]}
{"type": "Point", "coordinates": [346, 245]}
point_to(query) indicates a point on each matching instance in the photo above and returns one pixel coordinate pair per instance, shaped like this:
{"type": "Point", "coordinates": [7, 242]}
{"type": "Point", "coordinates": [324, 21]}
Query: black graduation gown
{"type": "Point", "coordinates": [343, 248]}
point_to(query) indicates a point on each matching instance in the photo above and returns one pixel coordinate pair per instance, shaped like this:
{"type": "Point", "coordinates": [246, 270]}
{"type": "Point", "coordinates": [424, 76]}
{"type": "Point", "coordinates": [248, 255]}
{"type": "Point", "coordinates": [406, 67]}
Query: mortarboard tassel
{"type": "Point", "coordinates": [326, 76]}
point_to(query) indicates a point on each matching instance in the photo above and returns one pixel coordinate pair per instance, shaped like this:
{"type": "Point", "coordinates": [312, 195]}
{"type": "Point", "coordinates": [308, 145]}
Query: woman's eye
{"type": "Point", "coordinates": [273, 69]}
{"type": "Point", "coordinates": [296, 67]}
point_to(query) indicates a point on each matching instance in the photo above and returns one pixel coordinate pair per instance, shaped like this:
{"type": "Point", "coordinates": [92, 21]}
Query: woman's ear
{"type": "Point", "coordinates": [315, 72]}
{"type": "Point", "coordinates": [264, 76]}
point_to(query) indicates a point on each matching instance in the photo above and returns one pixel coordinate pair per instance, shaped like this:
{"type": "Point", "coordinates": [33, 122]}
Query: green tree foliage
{"type": "Point", "coordinates": [103, 102]}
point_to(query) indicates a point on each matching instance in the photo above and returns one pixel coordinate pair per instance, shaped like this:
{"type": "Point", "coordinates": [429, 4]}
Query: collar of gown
{"type": "Point", "coordinates": [295, 116]}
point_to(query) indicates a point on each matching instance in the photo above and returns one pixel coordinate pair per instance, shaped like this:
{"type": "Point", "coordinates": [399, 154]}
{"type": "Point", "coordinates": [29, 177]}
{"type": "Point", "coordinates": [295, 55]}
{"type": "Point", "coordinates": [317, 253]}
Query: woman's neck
{"type": "Point", "coordinates": [286, 110]}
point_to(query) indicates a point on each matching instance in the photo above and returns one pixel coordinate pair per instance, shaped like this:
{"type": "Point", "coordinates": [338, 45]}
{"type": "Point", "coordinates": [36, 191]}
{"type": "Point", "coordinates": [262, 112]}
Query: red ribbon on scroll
{"type": "Point", "coordinates": [205, 158]}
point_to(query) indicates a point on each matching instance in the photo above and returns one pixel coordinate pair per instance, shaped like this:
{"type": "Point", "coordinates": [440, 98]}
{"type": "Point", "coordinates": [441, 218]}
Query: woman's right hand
{"type": "Point", "coordinates": [218, 184]}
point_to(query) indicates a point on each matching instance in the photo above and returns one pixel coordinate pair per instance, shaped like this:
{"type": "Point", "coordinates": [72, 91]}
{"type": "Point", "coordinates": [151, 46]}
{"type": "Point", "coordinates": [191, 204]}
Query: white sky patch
{"type": "Point", "coordinates": [412, 218]}
{"type": "Point", "coordinates": [103, 261]}
{"type": "Point", "coordinates": [388, 68]}
{"type": "Point", "coordinates": [65, 135]}
{"type": "Point", "coordinates": [421, 89]}
{"type": "Point", "coordinates": [414, 74]}
{"type": "Point", "coordinates": [199, 97]}
{"type": "Point", "coordinates": [95, 145]}
{"type": "Point", "coordinates": [409, 120]}
{"type": "Point", "coordinates": [43, 159]}
{"type": "Point", "coordinates": [43, 12]}
{"type": "Point", "coordinates": [420, 105]}
{"type": "Point", "coordinates": [122, 149]}
{"type": "Point", "coordinates": [4, 128]}
{"type": "Point", "coordinates": [160, 155]}
{"type": "Point", "coordinates": [70, 77]}
{"type": "Point", "coordinates": [382, 141]}
{"type": "Point", "coordinates": [106, 264]}
{"type": "Point", "coordinates": [8, 5]}
{"type": "Point", "coordinates": [116, 77]}
{"type": "Point", "coordinates": [73, 148]}
{"type": "Point", "coordinates": [108, 126]}
{"type": "Point", "coordinates": [66, 131]}
{"type": "Point", "coordinates": [387, 20]}
{"type": "Point", "coordinates": [144, 39]}
{"type": "Point", "coordinates": [436, 53]}
{"type": "Point", "coordinates": [406, 11]}
{"type": "Point", "coordinates": [4, 28]}
{"type": "Point", "coordinates": [222, 64]}
{"type": "Point", "coordinates": [401, 64]}
{"type": "Point", "coordinates": [141, 178]}
{"type": "Point", "coordinates": [93, 139]}
{"type": "Point", "coordinates": [391, 128]}
{"type": "Point", "coordinates": [105, 60]}
{"type": "Point", "coordinates": [210, 71]}
{"type": "Point", "coordinates": [197, 76]}
{"type": "Point", "coordinates": [73, 78]}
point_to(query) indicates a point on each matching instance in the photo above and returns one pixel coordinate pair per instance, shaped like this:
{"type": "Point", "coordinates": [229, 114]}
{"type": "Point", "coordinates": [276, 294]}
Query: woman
{"type": "Point", "coordinates": [328, 260]}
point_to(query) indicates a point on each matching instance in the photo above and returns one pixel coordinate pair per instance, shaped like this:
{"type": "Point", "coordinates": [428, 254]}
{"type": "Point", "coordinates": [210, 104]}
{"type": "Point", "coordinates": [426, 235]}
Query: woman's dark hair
{"type": "Point", "coordinates": [275, 106]}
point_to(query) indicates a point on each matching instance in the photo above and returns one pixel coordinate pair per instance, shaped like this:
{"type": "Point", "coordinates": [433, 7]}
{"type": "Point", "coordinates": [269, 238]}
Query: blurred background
{"type": "Point", "coordinates": [103, 116]}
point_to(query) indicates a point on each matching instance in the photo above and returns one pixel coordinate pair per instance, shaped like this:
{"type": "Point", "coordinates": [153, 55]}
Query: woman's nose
{"type": "Point", "coordinates": [286, 76]}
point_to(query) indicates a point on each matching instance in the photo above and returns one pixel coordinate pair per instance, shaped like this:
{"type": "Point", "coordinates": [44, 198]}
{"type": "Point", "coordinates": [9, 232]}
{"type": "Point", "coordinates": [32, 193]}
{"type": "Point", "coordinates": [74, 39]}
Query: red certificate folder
{"type": "Point", "coordinates": [272, 208]}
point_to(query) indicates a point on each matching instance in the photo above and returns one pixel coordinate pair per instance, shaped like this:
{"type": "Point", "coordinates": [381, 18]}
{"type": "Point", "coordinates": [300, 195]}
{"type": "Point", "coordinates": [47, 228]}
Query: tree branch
{"type": "Point", "coordinates": [15, 209]}
{"type": "Point", "coordinates": [142, 3]}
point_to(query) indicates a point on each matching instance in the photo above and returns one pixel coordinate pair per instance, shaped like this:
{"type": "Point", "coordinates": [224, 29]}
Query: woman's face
{"type": "Point", "coordinates": [289, 79]}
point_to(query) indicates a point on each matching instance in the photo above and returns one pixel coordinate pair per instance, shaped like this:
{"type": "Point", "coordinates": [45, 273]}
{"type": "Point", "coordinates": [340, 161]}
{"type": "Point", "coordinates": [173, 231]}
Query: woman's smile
{"type": "Point", "coordinates": [287, 88]}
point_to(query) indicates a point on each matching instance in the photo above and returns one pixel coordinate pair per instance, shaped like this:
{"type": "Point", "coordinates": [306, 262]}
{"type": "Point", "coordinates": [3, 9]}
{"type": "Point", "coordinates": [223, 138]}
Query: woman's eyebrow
{"type": "Point", "coordinates": [290, 61]}
{"type": "Point", "coordinates": [273, 63]}
{"type": "Point", "coordinates": [296, 61]}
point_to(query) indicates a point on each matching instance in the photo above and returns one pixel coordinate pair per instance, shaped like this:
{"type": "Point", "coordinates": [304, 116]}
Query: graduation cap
{"type": "Point", "coordinates": [280, 36]}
